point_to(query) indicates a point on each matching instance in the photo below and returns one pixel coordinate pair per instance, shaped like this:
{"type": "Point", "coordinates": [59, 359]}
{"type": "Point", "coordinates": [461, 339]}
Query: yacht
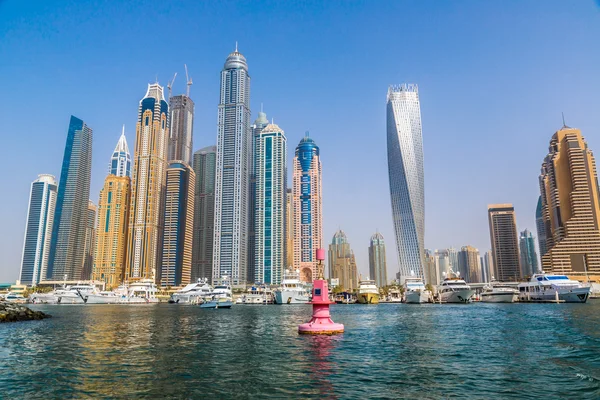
{"type": "Point", "coordinates": [594, 290]}
{"type": "Point", "coordinates": [75, 294]}
{"type": "Point", "coordinates": [221, 297]}
{"type": "Point", "coordinates": [258, 295]}
{"type": "Point", "coordinates": [44, 298]}
{"type": "Point", "coordinates": [549, 288]}
{"type": "Point", "coordinates": [496, 292]}
{"type": "Point", "coordinates": [139, 292]}
{"type": "Point", "coordinates": [192, 293]}
{"type": "Point", "coordinates": [292, 290]}
{"type": "Point", "coordinates": [455, 290]}
{"type": "Point", "coordinates": [103, 297]}
{"type": "Point", "coordinates": [415, 292]}
{"type": "Point", "coordinates": [14, 298]}
{"type": "Point", "coordinates": [367, 292]}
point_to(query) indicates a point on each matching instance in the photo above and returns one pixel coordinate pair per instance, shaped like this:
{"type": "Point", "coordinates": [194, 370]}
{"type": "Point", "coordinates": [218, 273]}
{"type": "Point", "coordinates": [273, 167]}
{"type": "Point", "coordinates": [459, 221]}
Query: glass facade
{"type": "Point", "coordinates": [406, 177]}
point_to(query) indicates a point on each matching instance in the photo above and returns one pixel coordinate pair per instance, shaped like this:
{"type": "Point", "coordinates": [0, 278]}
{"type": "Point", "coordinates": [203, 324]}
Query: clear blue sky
{"type": "Point", "coordinates": [494, 77]}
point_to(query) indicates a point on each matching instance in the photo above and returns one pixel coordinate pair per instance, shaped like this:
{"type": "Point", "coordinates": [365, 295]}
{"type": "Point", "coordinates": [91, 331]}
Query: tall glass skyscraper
{"type": "Point", "coordinates": [181, 128]}
{"type": "Point", "coordinates": [90, 241]}
{"type": "Point", "coordinates": [406, 175]}
{"type": "Point", "coordinates": [148, 186]}
{"type": "Point", "coordinates": [71, 215]}
{"type": "Point", "coordinates": [234, 140]}
{"type": "Point", "coordinates": [271, 185]}
{"type": "Point", "coordinates": [308, 208]}
{"type": "Point", "coordinates": [258, 126]}
{"type": "Point", "coordinates": [377, 260]}
{"type": "Point", "coordinates": [541, 228]}
{"type": "Point", "coordinates": [38, 230]}
{"type": "Point", "coordinates": [529, 258]}
{"type": "Point", "coordinates": [204, 212]}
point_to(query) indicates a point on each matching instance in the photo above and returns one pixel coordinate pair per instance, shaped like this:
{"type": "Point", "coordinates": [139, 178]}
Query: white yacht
{"type": "Point", "coordinates": [140, 292]}
{"type": "Point", "coordinates": [192, 293]}
{"type": "Point", "coordinates": [44, 298]}
{"type": "Point", "coordinates": [368, 293]}
{"type": "Point", "coordinates": [14, 298]}
{"type": "Point", "coordinates": [415, 292]}
{"type": "Point", "coordinates": [292, 290]}
{"type": "Point", "coordinates": [594, 290]}
{"type": "Point", "coordinates": [549, 287]}
{"type": "Point", "coordinates": [258, 295]}
{"type": "Point", "coordinates": [496, 292]}
{"type": "Point", "coordinates": [75, 294]}
{"type": "Point", "coordinates": [221, 297]}
{"type": "Point", "coordinates": [455, 290]}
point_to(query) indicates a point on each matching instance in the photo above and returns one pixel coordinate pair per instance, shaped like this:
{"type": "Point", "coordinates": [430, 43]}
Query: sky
{"type": "Point", "coordinates": [494, 77]}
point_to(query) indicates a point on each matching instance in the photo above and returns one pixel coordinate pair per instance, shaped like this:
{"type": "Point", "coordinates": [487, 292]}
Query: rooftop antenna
{"type": "Point", "coordinates": [261, 107]}
{"type": "Point", "coordinates": [123, 132]}
{"type": "Point", "coordinates": [170, 84]}
{"type": "Point", "coordinates": [236, 50]}
{"type": "Point", "coordinates": [563, 117]}
{"type": "Point", "coordinates": [189, 80]}
{"type": "Point", "coordinates": [306, 134]}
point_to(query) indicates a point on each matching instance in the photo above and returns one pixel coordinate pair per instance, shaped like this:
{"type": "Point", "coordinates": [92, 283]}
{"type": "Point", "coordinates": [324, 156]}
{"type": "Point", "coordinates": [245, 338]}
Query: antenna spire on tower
{"type": "Point", "coordinates": [563, 118]}
{"type": "Point", "coordinates": [236, 49]}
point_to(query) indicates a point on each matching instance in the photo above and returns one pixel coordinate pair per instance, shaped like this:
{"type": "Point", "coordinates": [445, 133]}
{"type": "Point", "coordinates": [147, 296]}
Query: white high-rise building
{"type": "Point", "coordinates": [271, 184]}
{"type": "Point", "coordinates": [406, 175]}
{"type": "Point", "coordinates": [234, 139]}
{"type": "Point", "coordinates": [38, 230]}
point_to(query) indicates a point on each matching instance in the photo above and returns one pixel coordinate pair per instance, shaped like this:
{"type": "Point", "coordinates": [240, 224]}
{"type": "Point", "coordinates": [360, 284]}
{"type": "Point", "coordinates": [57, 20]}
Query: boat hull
{"type": "Point", "coordinates": [70, 300]}
{"type": "Point", "coordinates": [499, 297]}
{"type": "Point", "coordinates": [368, 298]}
{"type": "Point", "coordinates": [216, 304]}
{"type": "Point", "coordinates": [290, 297]}
{"type": "Point", "coordinates": [417, 297]}
{"type": "Point", "coordinates": [457, 296]}
{"type": "Point", "coordinates": [99, 299]}
{"type": "Point", "coordinates": [576, 295]}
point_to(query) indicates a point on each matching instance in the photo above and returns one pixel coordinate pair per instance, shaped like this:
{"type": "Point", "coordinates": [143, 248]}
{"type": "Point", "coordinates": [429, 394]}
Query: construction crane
{"type": "Point", "coordinates": [189, 80]}
{"type": "Point", "coordinates": [170, 84]}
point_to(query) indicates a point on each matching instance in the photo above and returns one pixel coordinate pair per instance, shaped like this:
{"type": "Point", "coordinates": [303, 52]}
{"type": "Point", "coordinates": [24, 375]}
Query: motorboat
{"type": "Point", "coordinates": [345, 298]}
{"type": "Point", "coordinates": [415, 291]}
{"type": "Point", "coordinates": [12, 297]}
{"type": "Point", "coordinates": [104, 297]}
{"type": "Point", "coordinates": [221, 297]}
{"type": "Point", "coordinates": [140, 292]}
{"type": "Point", "coordinates": [497, 292]}
{"type": "Point", "coordinates": [367, 292]}
{"type": "Point", "coordinates": [192, 293]}
{"type": "Point", "coordinates": [292, 290]}
{"type": "Point", "coordinates": [455, 290]}
{"type": "Point", "coordinates": [259, 294]}
{"type": "Point", "coordinates": [75, 294]}
{"type": "Point", "coordinates": [44, 298]}
{"type": "Point", "coordinates": [553, 288]}
{"type": "Point", "coordinates": [594, 290]}
{"type": "Point", "coordinates": [394, 296]}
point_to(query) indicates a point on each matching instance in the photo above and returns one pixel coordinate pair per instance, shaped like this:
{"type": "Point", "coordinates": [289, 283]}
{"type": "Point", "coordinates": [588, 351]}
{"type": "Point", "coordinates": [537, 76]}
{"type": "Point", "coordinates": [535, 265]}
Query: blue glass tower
{"type": "Point", "coordinates": [71, 215]}
{"type": "Point", "coordinates": [406, 174]}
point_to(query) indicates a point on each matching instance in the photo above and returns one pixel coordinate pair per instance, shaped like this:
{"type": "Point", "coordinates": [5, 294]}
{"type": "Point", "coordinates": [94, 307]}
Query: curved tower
{"type": "Point", "coordinates": [148, 185]}
{"type": "Point", "coordinates": [405, 168]}
{"type": "Point", "coordinates": [307, 206]}
{"type": "Point", "coordinates": [234, 140]}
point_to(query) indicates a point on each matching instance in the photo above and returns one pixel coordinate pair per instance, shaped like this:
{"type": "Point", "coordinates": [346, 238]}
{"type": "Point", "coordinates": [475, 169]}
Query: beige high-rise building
{"type": "Point", "coordinates": [148, 186]}
{"type": "Point", "coordinates": [342, 264]}
{"type": "Point", "coordinates": [505, 242]}
{"type": "Point", "coordinates": [571, 207]}
{"type": "Point", "coordinates": [111, 235]}
{"type": "Point", "coordinates": [308, 209]}
{"type": "Point", "coordinates": [469, 264]}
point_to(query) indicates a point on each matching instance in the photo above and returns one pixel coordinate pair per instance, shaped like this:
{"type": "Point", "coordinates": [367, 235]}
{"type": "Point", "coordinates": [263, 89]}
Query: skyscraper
{"type": "Point", "coordinates": [120, 162]}
{"type": "Point", "coordinates": [204, 213]}
{"type": "Point", "coordinates": [469, 264]}
{"type": "Point", "coordinates": [377, 260]}
{"type": "Point", "coordinates": [147, 186]}
{"type": "Point", "coordinates": [406, 175]}
{"type": "Point", "coordinates": [71, 214]}
{"type": "Point", "coordinates": [442, 260]}
{"type": "Point", "coordinates": [430, 271]}
{"type": "Point", "coordinates": [271, 185]}
{"type": "Point", "coordinates": [453, 258]}
{"type": "Point", "coordinates": [234, 139]}
{"type": "Point", "coordinates": [38, 230]}
{"type": "Point", "coordinates": [90, 241]}
{"type": "Point", "coordinates": [505, 242]}
{"type": "Point", "coordinates": [113, 218]}
{"type": "Point", "coordinates": [489, 265]}
{"type": "Point", "coordinates": [541, 228]}
{"type": "Point", "coordinates": [529, 260]}
{"type": "Point", "coordinates": [258, 126]}
{"type": "Point", "coordinates": [289, 229]}
{"type": "Point", "coordinates": [177, 238]}
{"type": "Point", "coordinates": [307, 206]}
{"type": "Point", "coordinates": [342, 264]}
{"type": "Point", "coordinates": [181, 118]}
{"type": "Point", "coordinates": [571, 207]}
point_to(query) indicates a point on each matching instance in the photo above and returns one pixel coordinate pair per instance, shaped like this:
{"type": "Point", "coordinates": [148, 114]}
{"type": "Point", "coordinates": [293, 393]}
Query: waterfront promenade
{"type": "Point", "coordinates": [388, 351]}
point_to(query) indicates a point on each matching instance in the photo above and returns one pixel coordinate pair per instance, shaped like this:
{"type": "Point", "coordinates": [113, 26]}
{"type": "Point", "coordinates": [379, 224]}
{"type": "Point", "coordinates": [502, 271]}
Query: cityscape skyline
{"type": "Point", "coordinates": [538, 129]}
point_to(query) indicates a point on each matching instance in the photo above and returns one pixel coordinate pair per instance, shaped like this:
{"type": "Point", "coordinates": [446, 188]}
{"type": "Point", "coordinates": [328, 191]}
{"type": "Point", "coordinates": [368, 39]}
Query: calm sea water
{"type": "Point", "coordinates": [388, 351]}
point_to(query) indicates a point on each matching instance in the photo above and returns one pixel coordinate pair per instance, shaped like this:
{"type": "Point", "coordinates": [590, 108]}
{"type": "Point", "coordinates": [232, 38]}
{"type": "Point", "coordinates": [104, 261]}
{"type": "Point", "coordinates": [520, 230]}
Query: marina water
{"type": "Point", "coordinates": [388, 351]}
